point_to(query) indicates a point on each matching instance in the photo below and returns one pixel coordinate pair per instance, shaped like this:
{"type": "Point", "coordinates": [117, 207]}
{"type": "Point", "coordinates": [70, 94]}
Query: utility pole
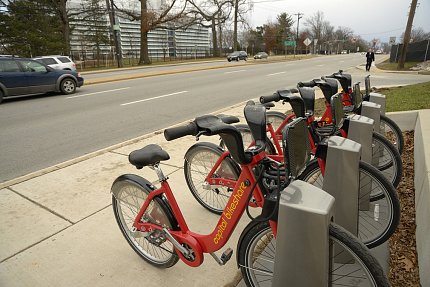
{"type": "Point", "coordinates": [115, 31]}
{"type": "Point", "coordinates": [407, 36]}
{"type": "Point", "coordinates": [299, 16]}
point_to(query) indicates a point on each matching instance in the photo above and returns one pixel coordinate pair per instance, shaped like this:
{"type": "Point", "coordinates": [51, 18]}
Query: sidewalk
{"type": "Point", "coordinates": [58, 229]}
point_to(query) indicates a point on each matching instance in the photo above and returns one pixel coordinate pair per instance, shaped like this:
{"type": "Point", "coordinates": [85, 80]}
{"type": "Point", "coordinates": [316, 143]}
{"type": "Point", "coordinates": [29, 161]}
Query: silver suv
{"type": "Point", "coordinates": [57, 62]}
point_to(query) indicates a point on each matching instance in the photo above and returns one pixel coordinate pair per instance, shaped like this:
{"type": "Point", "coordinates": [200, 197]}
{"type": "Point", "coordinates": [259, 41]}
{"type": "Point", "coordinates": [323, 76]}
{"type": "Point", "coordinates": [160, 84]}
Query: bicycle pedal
{"type": "Point", "coordinates": [226, 255]}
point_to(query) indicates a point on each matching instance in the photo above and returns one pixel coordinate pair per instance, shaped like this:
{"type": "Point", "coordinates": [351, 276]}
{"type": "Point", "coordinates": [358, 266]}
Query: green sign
{"type": "Point", "coordinates": [290, 43]}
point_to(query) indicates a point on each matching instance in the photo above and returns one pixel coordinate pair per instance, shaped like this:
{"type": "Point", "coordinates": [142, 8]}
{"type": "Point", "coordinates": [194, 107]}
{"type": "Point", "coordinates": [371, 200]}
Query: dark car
{"type": "Point", "coordinates": [20, 76]}
{"type": "Point", "coordinates": [261, 55]}
{"type": "Point", "coordinates": [237, 55]}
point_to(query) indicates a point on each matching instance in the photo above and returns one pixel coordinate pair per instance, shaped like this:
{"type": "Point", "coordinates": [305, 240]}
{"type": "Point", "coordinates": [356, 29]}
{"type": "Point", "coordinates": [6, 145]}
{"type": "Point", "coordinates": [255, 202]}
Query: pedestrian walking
{"type": "Point", "coordinates": [370, 57]}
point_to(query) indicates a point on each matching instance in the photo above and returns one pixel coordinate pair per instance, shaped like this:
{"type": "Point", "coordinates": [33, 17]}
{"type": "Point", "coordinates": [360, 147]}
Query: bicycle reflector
{"type": "Point", "coordinates": [296, 145]}
{"type": "Point", "coordinates": [356, 96]}
{"type": "Point", "coordinates": [337, 112]}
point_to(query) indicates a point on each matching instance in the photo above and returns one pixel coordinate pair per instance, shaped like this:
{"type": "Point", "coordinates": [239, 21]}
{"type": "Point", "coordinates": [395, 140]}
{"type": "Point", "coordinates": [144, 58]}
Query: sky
{"type": "Point", "coordinates": [380, 19]}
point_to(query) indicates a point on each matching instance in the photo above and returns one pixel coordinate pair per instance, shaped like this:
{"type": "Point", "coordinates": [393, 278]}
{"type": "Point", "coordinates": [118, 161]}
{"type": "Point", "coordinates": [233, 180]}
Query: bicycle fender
{"type": "Point", "coordinates": [216, 149]}
{"type": "Point", "coordinates": [148, 186]}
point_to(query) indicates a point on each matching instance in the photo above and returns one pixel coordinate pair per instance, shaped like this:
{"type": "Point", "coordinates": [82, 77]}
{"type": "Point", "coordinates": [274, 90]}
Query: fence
{"type": "Point", "coordinates": [417, 52]}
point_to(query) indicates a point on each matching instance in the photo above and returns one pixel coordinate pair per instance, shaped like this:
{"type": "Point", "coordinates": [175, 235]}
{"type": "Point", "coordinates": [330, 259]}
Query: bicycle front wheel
{"type": "Point", "coordinates": [256, 257]}
{"type": "Point", "coordinates": [199, 161]}
{"type": "Point", "coordinates": [128, 196]}
{"type": "Point", "coordinates": [392, 132]}
{"type": "Point", "coordinates": [379, 216]}
{"type": "Point", "coordinates": [386, 158]}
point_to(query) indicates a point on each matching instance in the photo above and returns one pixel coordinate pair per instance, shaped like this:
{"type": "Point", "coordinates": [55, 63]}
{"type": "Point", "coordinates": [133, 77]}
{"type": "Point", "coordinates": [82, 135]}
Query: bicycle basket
{"type": "Point", "coordinates": [296, 145]}
{"type": "Point", "coordinates": [338, 114]}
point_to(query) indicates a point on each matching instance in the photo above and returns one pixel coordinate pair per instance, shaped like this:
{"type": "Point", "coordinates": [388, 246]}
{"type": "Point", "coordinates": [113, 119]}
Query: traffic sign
{"type": "Point", "coordinates": [392, 40]}
{"type": "Point", "coordinates": [307, 42]}
{"type": "Point", "coordinates": [290, 43]}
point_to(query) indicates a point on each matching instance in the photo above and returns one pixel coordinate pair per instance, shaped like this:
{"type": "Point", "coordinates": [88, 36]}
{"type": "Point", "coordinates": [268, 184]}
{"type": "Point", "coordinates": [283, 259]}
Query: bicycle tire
{"type": "Point", "coordinates": [380, 221]}
{"type": "Point", "coordinates": [275, 118]}
{"type": "Point", "coordinates": [131, 192]}
{"type": "Point", "coordinates": [199, 160]}
{"type": "Point", "coordinates": [248, 139]}
{"type": "Point", "coordinates": [257, 248]}
{"type": "Point", "coordinates": [386, 158]}
{"type": "Point", "coordinates": [392, 132]}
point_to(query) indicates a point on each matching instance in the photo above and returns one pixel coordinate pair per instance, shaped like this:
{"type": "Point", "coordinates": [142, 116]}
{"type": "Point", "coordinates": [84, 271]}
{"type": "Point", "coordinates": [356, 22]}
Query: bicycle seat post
{"type": "Point", "coordinates": [159, 172]}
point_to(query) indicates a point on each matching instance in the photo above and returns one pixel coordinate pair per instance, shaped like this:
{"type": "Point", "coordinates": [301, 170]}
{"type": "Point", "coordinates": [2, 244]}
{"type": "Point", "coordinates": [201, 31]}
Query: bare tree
{"type": "Point", "coordinates": [210, 14]}
{"type": "Point", "coordinates": [417, 35]}
{"type": "Point", "coordinates": [150, 19]}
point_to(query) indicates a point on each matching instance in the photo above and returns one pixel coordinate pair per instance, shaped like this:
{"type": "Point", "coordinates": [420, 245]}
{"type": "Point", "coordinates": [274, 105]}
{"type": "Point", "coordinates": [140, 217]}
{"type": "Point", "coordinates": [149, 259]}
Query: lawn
{"type": "Point", "coordinates": [413, 97]}
{"type": "Point", "coordinates": [386, 65]}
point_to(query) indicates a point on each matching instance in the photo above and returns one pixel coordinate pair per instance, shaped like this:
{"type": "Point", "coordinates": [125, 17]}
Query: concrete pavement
{"type": "Point", "coordinates": [57, 226]}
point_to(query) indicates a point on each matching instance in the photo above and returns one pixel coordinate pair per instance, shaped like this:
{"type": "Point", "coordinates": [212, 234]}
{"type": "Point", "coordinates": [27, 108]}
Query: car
{"type": "Point", "coordinates": [237, 55]}
{"type": "Point", "coordinates": [261, 55]}
{"type": "Point", "coordinates": [22, 76]}
{"type": "Point", "coordinates": [57, 62]}
{"type": "Point", "coordinates": [378, 52]}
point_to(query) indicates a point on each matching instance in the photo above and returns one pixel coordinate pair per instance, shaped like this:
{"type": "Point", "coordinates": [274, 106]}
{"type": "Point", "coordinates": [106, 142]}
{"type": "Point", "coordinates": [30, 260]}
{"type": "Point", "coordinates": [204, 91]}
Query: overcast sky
{"type": "Point", "coordinates": [368, 18]}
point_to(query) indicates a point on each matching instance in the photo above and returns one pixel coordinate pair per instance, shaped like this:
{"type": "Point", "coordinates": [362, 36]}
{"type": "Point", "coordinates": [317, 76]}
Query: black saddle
{"type": "Point", "coordinates": [148, 155]}
{"type": "Point", "coordinates": [308, 96]}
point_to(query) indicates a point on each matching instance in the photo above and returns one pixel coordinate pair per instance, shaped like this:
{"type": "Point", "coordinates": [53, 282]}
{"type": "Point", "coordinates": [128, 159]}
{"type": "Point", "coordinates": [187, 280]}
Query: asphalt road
{"type": "Point", "coordinates": [38, 132]}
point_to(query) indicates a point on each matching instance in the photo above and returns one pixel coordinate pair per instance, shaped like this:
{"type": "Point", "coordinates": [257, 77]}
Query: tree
{"type": "Point", "coordinates": [283, 29]}
{"type": "Point", "coordinates": [417, 35]}
{"type": "Point", "coordinates": [20, 36]}
{"type": "Point", "coordinates": [151, 18]}
{"type": "Point", "coordinates": [212, 12]}
{"type": "Point", "coordinates": [96, 33]}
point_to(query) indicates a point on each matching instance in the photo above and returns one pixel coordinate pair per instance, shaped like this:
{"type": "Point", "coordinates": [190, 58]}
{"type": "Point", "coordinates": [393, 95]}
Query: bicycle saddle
{"type": "Point", "coordinates": [329, 88]}
{"type": "Point", "coordinates": [345, 80]}
{"type": "Point", "coordinates": [308, 96]}
{"type": "Point", "coordinates": [148, 155]}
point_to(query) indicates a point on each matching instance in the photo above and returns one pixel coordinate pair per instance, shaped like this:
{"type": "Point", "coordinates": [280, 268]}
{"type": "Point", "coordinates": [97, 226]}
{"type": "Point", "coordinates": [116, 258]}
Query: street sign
{"type": "Point", "coordinates": [307, 42]}
{"type": "Point", "coordinates": [290, 43]}
{"type": "Point", "coordinates": [315, 41]}
{"type": "Point", "coordinates": [392, 40]}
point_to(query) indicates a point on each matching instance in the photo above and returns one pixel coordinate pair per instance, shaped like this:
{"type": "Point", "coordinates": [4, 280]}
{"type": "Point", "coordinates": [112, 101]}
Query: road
{"type": "Point", "coordinates": [38, 132]}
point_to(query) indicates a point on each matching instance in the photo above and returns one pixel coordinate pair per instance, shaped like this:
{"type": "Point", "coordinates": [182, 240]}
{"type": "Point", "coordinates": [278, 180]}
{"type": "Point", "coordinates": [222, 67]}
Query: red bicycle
{"type": "Point", "coordinates": [352, 99]}
{"type": "Point", "coordinates": [153, 225]}
{"type": "Point", "coordinates": [211, 173]}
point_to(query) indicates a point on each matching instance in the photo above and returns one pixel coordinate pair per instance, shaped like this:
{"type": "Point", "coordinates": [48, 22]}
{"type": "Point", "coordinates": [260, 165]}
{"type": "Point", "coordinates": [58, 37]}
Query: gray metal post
{"type": "Point", "coordinates": [341, 179]}
{"type": "Point", "coordinates": [360, 130]}
{"type": "Point", "coordinates": [302, 243]}
{"type": "Point", "coordinates": [378, 98]}
{"type": "Point", "coordinates": [373, 111]}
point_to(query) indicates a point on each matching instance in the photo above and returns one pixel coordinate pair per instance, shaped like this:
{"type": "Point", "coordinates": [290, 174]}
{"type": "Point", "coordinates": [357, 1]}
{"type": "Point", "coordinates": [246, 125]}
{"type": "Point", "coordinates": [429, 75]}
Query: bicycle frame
{"type": "Point", "coordinates": [226, 224]}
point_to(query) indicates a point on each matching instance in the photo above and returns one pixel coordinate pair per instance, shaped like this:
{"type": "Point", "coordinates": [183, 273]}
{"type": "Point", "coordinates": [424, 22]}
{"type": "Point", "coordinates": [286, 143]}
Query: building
{"type": "Point", "coordinates": [91, 38]}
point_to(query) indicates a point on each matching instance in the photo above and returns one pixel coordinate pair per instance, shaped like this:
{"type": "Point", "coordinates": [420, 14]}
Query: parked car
{"type": "Point", "coordinates": [57, 62]}
{"type": "Point", "coordinates": [237, 55]}
{"type": "Point", "coordinates": [378, 52]}
{"type": "Point", "coordinates": [261, 55]}
{"type": "Point", "coordinates": [21, 76]}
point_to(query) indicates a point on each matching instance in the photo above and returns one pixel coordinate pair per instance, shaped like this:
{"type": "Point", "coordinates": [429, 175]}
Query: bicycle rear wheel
{"type": "Point", "coordinates": [256, 257]}
{"type": "Point", "coordinates": [392, 132]}
{"type": "Point", "coordinates": [128, 195]}
{"type": "Point", "coordinates": [378, 221]}
{"type": "Point", "coordinates": [199, 161]}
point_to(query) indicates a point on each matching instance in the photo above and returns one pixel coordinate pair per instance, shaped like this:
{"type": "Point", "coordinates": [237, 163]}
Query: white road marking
{"type": "Point", "coordinates": [341, 61]}
{"type": "Point", "coordinates": [320, 65]}
{"type": "Point", "coordinates": [154, 98]}
{"type": "Point", "coordinates": [238, 71]}
{"type": "Point", "coordinates": [275, 74]}
{"type": "Point", "coordinates": [108, 91]}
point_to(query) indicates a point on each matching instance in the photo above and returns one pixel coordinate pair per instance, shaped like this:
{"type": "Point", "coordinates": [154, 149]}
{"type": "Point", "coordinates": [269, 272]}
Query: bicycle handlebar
{"type": "Point", "coordinates": [275, 97]}
{"type": "Point", "coordinates": [278, 95]}
{"type": "Point", "coordinates": [181, 131]}
{"type": "Point", "coordinates": [309, 84]}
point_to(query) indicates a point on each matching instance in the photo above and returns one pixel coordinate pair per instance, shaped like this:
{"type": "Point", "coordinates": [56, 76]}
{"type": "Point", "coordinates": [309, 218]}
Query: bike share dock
{"type": "Point", "coordinates": [58, 229]}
